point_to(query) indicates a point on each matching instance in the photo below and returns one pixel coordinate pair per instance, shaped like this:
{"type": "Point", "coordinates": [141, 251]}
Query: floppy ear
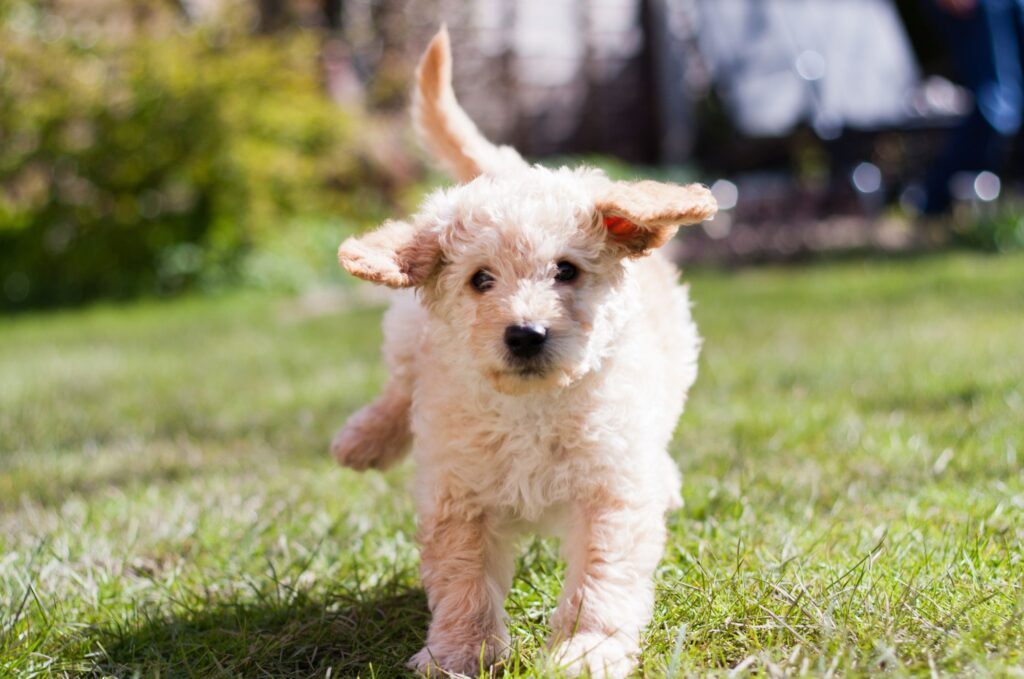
{"type": "Point", "coordinates": [641, 216]}
{"type": "Point", "coordinates": [396, 254]}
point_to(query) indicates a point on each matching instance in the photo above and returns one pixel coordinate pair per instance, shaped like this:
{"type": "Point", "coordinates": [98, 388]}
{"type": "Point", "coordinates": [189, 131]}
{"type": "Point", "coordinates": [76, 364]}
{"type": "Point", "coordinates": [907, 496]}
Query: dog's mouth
{"type": "Point", "coordinates": [528, 368]}
{"type": "Point", "coordinates": [531, 371]}
{"type": "Point", "coordinates": [523, 373]}
{"type": "Point", "coordinates": [537, 375]}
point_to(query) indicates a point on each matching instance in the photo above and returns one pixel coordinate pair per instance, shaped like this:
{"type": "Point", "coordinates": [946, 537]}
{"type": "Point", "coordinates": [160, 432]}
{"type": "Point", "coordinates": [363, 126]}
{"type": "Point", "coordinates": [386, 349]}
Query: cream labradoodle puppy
{"type": "Point", "coordinates": [539, 361]}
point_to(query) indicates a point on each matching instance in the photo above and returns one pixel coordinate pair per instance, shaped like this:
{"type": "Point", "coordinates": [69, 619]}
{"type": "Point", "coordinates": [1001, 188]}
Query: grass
{"type": "Point", "coordinates": [852, 455]}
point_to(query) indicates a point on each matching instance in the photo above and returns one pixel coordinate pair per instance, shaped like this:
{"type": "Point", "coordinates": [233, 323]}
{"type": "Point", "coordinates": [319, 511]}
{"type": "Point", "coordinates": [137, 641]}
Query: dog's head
{"type": "Point", "coordinates": [526, 267]}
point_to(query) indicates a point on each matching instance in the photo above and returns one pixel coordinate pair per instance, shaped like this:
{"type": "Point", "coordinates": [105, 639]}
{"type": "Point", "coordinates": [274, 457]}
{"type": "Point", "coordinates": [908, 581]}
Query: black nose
{"type": "Point", "coordinates": [525, 341]}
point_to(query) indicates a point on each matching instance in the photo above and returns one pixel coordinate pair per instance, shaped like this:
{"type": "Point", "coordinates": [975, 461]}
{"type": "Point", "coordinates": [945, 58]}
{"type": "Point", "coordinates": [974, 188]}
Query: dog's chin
{"type": "Point", "coordinates": [527, 379]}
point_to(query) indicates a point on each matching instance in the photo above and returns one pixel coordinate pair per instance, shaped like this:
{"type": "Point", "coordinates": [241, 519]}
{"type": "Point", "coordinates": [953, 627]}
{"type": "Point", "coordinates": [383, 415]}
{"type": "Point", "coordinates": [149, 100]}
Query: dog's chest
{"type": "Point", "coordinates": [527, 458]}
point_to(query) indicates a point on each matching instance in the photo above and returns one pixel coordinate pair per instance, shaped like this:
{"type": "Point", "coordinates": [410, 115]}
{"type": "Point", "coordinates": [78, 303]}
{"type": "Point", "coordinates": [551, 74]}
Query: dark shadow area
{"type": "Point", "coordinates": [805, 258]}
{"type": "Point", "coordinates": [369, 633]}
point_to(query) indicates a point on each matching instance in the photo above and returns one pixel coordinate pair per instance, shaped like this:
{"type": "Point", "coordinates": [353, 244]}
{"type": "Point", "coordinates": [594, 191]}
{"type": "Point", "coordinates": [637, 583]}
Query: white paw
{"type": "Point", "coordinates": [596, 654]}
{"type": "Point", "coordinates": [461, 662]}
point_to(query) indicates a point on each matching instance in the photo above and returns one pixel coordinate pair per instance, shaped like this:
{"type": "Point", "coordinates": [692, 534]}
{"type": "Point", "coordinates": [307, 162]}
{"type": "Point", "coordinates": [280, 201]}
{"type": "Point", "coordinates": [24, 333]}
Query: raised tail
{"type": "Point", "coordinates": [377, 435]}
{"type": "Point", "coordinates": [444, 128]}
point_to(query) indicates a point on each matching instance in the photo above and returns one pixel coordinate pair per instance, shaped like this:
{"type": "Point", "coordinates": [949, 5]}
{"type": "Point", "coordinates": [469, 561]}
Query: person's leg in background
{"type": "Point", "coordinates": [984, 38]}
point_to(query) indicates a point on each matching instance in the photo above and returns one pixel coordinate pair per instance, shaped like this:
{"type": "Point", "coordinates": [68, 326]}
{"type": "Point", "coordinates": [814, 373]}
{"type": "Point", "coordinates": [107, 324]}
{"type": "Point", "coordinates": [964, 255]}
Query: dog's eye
{"type": "Point", "coordinates": [482, 281]}
{"type": "Point", "coordinates": [567, 271]}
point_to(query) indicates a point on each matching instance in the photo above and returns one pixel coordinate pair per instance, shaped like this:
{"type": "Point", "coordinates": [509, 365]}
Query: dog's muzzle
{"type": "Point", "coordinates": [525, 342]}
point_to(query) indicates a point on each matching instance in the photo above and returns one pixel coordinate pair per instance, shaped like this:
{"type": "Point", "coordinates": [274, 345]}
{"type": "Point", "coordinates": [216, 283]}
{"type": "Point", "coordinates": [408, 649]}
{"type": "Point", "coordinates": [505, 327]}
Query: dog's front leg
{"type": "Point", "coordinates": [612, 549]}
{"type": "Point", "coordinates": [467, 571]}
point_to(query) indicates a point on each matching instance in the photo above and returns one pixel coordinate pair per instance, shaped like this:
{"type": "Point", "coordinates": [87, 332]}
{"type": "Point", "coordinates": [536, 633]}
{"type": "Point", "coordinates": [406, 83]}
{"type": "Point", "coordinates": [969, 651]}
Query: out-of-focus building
{"type": "Point", "coordinates": [621, 76]}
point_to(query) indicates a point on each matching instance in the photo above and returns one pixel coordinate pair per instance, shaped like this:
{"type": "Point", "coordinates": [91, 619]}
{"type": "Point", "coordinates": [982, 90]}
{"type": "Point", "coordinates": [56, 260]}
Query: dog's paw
{"type": "Point", "coordinates": [595, 654]}
{"type": "Point", "coordinates": [426, 664]}
{"type": "Point", "coordinates": [464, 662]}
{"type": "Point", "coordinates": [351, 449]}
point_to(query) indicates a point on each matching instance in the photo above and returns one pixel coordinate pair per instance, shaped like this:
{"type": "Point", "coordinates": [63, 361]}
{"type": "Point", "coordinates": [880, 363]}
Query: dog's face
{"type": "Point", "coordinates": [526, 278]}
{"type": "Point", "coordinates": [527, 271]}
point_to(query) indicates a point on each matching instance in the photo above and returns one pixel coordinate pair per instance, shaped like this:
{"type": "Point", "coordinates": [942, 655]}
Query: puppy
{"type": "Point", "coordinates": [539, 355]}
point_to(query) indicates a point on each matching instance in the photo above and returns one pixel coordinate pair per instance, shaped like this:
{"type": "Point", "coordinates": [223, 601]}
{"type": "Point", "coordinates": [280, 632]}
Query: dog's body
{"type": "Point", "coordinates": [539, 371]}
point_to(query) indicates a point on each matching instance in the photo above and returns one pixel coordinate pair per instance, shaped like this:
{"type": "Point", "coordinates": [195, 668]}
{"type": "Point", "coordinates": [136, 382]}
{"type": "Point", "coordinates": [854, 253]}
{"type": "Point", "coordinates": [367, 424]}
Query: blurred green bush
{"type": "Point", "coordinates": [999, 228]}
{"type": "Point", "coordinates": [156, 163]}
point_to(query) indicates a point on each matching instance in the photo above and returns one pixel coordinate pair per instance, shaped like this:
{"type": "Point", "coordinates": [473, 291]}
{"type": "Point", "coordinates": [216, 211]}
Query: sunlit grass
{"type": "Point", "coordinates": [853, 481]}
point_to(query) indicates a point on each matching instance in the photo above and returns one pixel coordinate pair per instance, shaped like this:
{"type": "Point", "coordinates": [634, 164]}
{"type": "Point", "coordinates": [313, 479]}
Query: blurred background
{"type": "Point", "coordinates": [149, 147]}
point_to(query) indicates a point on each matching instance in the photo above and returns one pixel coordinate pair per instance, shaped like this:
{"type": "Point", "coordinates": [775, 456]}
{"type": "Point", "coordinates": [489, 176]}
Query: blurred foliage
{"type": "Point", "coordinates": [156, 162]}
{"type": "Point", "coordinates": [997, 229]}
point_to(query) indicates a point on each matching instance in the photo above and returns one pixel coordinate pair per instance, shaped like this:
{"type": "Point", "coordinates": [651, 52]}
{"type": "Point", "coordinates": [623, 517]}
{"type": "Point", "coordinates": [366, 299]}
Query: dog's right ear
{"type": "Point", "coordinates": [396, 254]}
{"type": "Point", "coordinates": [641, 216]}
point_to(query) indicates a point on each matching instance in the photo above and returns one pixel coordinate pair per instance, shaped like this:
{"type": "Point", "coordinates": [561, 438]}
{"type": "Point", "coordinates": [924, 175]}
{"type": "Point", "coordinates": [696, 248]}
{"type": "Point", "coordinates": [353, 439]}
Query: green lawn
{"type": "Point", "coordinates": [852, 452]}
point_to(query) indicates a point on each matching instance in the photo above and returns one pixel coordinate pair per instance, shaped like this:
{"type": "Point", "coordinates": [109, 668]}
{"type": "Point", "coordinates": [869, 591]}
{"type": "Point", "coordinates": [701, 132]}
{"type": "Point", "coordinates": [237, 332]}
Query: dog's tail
{"type": "Point", "coordinates": [444, 128]}
{"type": "Point", "coordinates": [377, 435]}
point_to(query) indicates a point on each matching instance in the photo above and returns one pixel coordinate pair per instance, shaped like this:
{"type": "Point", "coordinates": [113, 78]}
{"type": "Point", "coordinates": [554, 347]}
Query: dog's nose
{"type": "Point", "coordinates": [525, 341]}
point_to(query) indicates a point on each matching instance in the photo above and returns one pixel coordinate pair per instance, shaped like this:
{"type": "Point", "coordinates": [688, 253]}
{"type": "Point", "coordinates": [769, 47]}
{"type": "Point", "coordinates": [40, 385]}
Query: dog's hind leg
{"type": "Point", "coordinates": [377, 435]}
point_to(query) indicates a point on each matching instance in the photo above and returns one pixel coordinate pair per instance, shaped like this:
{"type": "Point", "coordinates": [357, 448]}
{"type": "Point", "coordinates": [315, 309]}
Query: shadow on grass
{"type": "Point", "coordinates": [365, 634]}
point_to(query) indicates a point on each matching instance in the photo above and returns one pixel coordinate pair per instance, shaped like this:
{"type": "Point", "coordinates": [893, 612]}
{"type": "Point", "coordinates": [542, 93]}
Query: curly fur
{"type": "Point", "coordinates": [575, 446]}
